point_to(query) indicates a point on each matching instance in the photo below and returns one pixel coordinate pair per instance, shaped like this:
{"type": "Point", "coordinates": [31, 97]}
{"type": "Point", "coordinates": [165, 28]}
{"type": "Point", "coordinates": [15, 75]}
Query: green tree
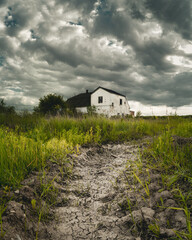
{"type": "Point", "coordinates": [138, 114]}
{"type": "Point", "coordinates": [52, 104]}
{"type": "Point", "coordinates": [6, 109]}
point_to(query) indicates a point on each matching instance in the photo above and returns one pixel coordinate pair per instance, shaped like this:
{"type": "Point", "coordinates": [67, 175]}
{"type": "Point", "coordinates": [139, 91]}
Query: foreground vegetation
{"type": "Point", "coordinates": [29, 141]}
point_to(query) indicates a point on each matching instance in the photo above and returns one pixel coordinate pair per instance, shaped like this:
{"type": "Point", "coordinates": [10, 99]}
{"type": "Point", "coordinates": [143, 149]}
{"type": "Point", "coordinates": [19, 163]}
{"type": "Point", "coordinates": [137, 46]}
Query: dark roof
{"type": "Point", "coordinates": [80, 100]}
{"type": "Point", "coordinates": [109, 90]}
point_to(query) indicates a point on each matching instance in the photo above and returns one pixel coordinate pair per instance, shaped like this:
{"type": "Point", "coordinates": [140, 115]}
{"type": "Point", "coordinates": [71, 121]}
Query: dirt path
{"type": "Point", "coordinates": [93, 211]}
{"type": "Point", "coordinates": [102, 200]}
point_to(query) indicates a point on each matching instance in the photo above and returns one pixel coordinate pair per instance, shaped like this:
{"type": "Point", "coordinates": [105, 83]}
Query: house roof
{"type": "Point", "coordinates": [109, 90]}
{"type": "Point", "coordinates": [80, 100]}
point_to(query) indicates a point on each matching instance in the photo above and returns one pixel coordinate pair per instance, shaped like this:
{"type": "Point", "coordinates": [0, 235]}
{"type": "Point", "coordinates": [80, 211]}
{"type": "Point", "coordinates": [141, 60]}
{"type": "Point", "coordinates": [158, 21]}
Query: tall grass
{"type": "Point", "coordinates": [28, 141]}
{"type": "Point", "coordinates": [18, 156]}
{"type": "Point", "coordinates": [171, 153]}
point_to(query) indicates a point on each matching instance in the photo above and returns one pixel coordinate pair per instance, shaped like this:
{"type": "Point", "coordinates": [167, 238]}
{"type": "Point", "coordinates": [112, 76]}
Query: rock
{"type": "Point", "coordinates": [162, 219]}
{"type": "Point", "coordinates": [169, 213]}
{"type": "Point", "coordinates": [170, 203]}
{"type": "Point", "coordinates": [27, 193]}
{"type": "Point", "coordinates": [137, 216]}
{"type": "Point", "coordinates": [148, 214]}
{"type": "Point", "coordinates": [180, 219]}
{"type": "Point", "coordinates": [125, 220]}
{"type": "Point", "coordinates": [170, 232]}
{"type": "Point", "coordinates": [28, 181]}
{"type": "Point", "coordinates": [15, 212]}
{"type": "Point", "coordinates": [166, 233]}
{"type": "Point", "coordinates": [120, 214]}
{"type": "Point", "coordinates": [165, 194]}
{"type": "Point", "coordinates": [155, 177]}
{"type": "Point", "coordinates": [153, 187]}
{"type": "Point", "coordinates": [162, 196]}
{"type": "Point", "coordinates": [18, 237]}
{"type": "Point", "coordinates": [107, 197]}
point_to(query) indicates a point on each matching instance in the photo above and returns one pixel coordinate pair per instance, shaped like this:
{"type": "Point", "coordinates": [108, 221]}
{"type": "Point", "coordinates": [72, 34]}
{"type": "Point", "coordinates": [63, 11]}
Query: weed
{"type": "Point", "coordinates": [145, 186]}
{"type": "Point", "coordinates": [155, 229]}
{"type": "Point", "coordinates": [129, 207]}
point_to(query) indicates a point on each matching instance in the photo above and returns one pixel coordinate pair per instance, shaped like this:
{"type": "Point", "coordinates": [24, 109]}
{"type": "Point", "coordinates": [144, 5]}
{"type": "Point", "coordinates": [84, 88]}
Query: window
{"type": "Point", "coordinates": [112, 104]}
{"type": "Point", "coordinates": [121, 101]}
{"type": "Point", "coordinates": [100, 99]}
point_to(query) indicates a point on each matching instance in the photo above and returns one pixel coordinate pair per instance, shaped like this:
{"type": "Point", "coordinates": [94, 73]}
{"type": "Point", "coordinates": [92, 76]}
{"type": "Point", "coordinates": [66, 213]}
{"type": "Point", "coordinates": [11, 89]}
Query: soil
{"type": "Point", "coordinates": [102, 199]}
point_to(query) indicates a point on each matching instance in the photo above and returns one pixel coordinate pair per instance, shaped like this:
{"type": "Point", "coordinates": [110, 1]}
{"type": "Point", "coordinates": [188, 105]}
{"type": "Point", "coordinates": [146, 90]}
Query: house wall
{"type": "Point", "coordinates": [111, 103]}
{"type": "Point", "coordinates": [81, 109]}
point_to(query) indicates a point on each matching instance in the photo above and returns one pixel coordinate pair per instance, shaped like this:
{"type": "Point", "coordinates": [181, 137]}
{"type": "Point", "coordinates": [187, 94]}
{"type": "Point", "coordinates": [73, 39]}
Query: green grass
{"type": "Point", "coordinates": [18, 156]}
{"type": "Point", "coordinates": [28, 141]}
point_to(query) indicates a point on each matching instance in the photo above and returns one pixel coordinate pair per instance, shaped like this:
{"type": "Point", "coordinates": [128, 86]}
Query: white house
{"type": "Point", "coordinates": [105, 101]}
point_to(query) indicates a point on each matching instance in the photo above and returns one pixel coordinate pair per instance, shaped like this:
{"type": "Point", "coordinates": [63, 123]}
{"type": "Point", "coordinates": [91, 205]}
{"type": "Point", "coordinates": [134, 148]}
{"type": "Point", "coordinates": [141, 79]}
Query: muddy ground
{"type": "Point", "coordinates": [102, 199]}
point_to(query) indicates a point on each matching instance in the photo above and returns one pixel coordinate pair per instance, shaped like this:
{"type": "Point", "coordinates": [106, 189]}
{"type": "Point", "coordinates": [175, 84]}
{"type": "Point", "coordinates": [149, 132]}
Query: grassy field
{"type": "Point", "coordinates": [28, 142]}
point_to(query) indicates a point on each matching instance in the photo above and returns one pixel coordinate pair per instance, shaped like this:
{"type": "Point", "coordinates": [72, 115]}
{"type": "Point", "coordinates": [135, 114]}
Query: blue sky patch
{"type": "Point", "coordinates": [2, 60]}
{"type": "Point", "coordinates": [9, 20]}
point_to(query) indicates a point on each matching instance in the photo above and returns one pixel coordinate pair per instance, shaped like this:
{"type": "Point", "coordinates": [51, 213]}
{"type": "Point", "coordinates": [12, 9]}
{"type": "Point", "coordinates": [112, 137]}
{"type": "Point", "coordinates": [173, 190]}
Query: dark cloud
{"type": "Point", "coordinates": [6, 47]}
{"type": "Point", "coordinates": [175, 12]}
{"type": "Point", "coordinates": [2, 3]}
{"type": "Point", "coordinates": [150, 51]}
{"type": "Point", "coordinates": [66, 47]}
{"type": "Point", "coordinates": [111, 22]}
{"type": "Point", "coordinates": [136, 13]}
{"type": "Point", "coordinates": [75, 53]}
{"type": "Point", "coordinates": [17, 17]}
{"type": "Point", "coordinates": [175, 91]}
{"type": "Point", "coordinates": [153, 53]}
{"type": "Point", "coordinates": [86, 6]}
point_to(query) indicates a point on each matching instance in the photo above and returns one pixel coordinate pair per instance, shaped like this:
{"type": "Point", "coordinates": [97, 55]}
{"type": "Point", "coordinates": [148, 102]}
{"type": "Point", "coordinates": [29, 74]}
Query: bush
{"type": "Point", "coordinates": [52, 104]}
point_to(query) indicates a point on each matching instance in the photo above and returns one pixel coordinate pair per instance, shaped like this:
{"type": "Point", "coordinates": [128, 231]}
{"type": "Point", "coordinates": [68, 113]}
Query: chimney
{"type": "Point", "coordinates": [87, 91]}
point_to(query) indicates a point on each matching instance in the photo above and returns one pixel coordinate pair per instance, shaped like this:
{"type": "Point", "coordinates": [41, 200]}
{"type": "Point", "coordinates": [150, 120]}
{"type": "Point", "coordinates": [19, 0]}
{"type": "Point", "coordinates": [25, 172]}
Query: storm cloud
{"type": "Point", "coordinates": [141, 48]}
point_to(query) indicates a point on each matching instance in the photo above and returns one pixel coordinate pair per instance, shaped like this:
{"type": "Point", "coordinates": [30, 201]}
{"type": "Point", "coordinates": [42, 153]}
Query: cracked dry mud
{"type": "Point", "coordinates": [101, 200]}
{"type": "Point", "coordinates": [93, 195]}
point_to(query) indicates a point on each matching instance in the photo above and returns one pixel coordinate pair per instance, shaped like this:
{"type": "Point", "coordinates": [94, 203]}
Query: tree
{"type": "Point", "coordinates": [52, 104]}
{"type": "Point", "coordinates": [138, 114]}
{"type": "Point", "coordinates": [6, 109]}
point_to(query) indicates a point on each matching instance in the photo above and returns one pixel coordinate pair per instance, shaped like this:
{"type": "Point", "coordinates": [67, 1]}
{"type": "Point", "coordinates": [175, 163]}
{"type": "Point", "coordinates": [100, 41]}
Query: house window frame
{"type": "Point", "coordinates": [121, 101]}
{"type": "Point", "coordinates": [100, 99]}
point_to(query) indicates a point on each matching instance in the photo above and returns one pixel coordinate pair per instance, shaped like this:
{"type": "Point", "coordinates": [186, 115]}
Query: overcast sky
{"type": "Point", "coordinates": [140, 48]}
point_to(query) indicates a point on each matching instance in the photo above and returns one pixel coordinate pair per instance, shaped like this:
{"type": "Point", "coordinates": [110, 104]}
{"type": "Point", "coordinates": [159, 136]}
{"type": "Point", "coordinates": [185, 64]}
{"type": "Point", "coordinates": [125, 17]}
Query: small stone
{"type": "Point", "coordinates": [153, 187]}
{"type": "Point", "coordinates": [162, 196]}
{"type": "Point", "coordinates": [180, 218]}
{"type": "Point", "coordinates": [137, 216]}
{"type": "Point", "coordinates": [155, 177]}
{"type": "Point", "coordinates": [162, 219]}
{"type": "Point", "coordinates": [170, 232]}
{"type": "Point", "coordinates": [124, 220]}
{"type": "Point", "coordinates": [164, 232]}
{"type": "Point", "coordinates": [170, 203]}
{"type": "Point", "coordinates": [165, 194]}
{"type": "Point", "coordinates": [148, 212]}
